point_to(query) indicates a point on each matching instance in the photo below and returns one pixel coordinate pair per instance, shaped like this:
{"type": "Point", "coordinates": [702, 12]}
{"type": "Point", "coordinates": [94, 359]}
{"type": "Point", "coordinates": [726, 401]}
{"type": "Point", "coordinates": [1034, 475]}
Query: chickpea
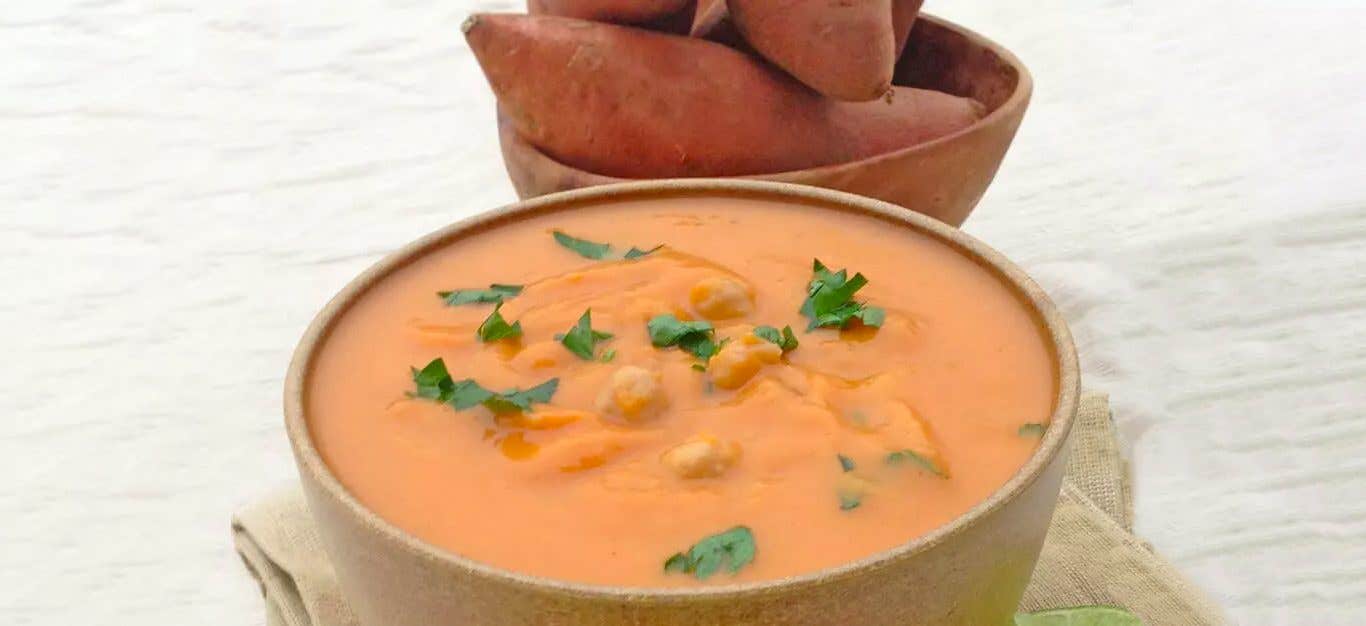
{"type": "Point", "coordinates": [720, 298]}
{"type": "Point", "coordinates": [740, 359]}
{"type": "Point", "coordinates": [702, 456]}
{"type": "Point", "coordinates": [633, 393]}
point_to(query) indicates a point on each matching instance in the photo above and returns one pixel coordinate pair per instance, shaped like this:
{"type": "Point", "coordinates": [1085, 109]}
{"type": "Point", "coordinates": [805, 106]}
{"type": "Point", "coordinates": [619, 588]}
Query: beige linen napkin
{"type": "Point", "coordinates": [1090, 556]}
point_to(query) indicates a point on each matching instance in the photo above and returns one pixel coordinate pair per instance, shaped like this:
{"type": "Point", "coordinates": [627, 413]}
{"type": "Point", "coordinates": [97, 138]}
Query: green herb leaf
{"type": "Point", "coordinates": [699, 367]}
{"type": "Point", "coordinates": [597, 251]}
{"type": "Point", "coordinates": [830, 300]}
{"type": "Point", "coordinates": [1079, 616]}
{"type": "Point", "coordinates": [495, 327]}
{"type": "Point", "coordinates": [849, 501]}
{"type": "Point", "coordinates": [904, 456]}
{"type": "Point", "coordinates": [846, 463]}
{"type": "Point", "coordinates": [467, 393]}
{"type": "Point", "coordinates": [636, 253]}
{"type": "Point", "coordinates": [694, 337]}
{"type": "Point", "coordinates": [608, 355]}
{"type": "Point", "coordinates": [678, 563]}
{"type": "Point", "coordinates": [514, 400]}
{"type": "Point", "coordinates": [1032, 429]}
{"type": "Point", "coordinates": [732, 549]}
{"type": "Point", "coordinates": [787, 340]}
{"type": "Point", "coordinates": [583, 247]}
{"type": "Point", "coordinates": [581, 339]}
{"type": "Point", "coordinates": [434, 382]}
{"type": "Point", "coordinates": [495, 293]}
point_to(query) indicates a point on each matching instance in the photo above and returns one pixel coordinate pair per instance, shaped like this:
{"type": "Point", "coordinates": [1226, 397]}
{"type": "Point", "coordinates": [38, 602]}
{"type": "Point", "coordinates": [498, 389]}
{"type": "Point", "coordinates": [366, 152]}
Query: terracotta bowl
{"type": "Point", "coordinates": [943, 179]}
{"type": "Point", "coordinates": [972, 571]}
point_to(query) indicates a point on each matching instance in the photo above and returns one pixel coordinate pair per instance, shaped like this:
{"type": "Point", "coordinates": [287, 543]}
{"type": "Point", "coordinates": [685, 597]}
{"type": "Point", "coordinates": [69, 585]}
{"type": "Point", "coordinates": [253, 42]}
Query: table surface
{"type": "Point", "coordinates": [185, 183]}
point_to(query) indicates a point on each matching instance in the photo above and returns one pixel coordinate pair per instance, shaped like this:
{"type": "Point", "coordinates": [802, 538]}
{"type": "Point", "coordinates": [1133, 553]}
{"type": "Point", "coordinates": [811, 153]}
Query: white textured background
{"type": "Point", "coordinates": [185, 182]}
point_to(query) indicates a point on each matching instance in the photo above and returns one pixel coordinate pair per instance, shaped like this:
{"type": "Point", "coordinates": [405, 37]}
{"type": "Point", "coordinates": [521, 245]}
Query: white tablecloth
{"type": "Point", "coordinates": [186, 182]}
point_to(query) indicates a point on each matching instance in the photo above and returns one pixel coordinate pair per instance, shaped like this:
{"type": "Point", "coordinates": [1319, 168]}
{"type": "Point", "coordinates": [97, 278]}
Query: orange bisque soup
{"type": "Point", "coordinates": [678, 436]}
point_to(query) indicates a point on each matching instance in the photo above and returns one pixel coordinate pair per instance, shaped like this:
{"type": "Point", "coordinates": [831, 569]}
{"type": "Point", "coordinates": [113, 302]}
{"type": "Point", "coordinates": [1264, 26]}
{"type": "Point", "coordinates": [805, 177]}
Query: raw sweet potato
{"type": "Point", "coordinates": [615, 11]}
{"type": "Point", "coordinates": [842, 48]}
{"type": "Point", "coordinates": [904, 13]}
{"type": "Point", "coordinates": [632, 103]}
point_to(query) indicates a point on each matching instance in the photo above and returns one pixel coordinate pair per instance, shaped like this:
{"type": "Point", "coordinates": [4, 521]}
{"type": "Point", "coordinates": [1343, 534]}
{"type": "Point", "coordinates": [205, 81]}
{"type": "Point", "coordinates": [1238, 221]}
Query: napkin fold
{"type": "Point", "coordinates": [1090, 556]}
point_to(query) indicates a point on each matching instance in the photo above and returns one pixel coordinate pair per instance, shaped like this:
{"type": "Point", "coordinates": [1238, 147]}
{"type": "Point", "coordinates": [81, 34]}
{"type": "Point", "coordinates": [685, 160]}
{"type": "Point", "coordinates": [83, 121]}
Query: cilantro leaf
{"type": "Point", "coordinates": [636, 253]}
{"type": "Point", "coordinates": [514, 400]}
{"type": "Point", "coordinates": [1079, 616]}
{"type": "Point", "coordinates": [732, 549]}
{"type": "Point", "coordinates": [597, 251]}
{"type": "Point", "coordinates": [786, 339]}
{"type": "Point", "coordinates": [694, 337]}
{"type": "Point", "coordinates": [678, 563]}
{"type": "Point", "coordinates": [434, 382]}
{"type": "Point", "coordinates": [608, 355]}
{"type": "Point", "coordinates": [495, 293]}
{"type": "Point", "coordinates": [495, 327]}
{"type": "Point", "coordinates": [581, 338]}
{"type": "Point", "coordinates": [846, 463]}
{"type": "Point", "coordinates": [583, 247]}
{"type": "Point", "coordinates": [467, 394]}
{"type": "Point", "coordinates": [830, 300]}
{"type": "Point", "coordinates": [849, 501]}
{"type": "Point", "coordinates": [1032, 429]}
{"type": "Point", "coordinates": [903, 456]}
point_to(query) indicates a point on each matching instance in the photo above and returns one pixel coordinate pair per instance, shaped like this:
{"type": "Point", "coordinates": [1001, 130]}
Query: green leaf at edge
{"type": "Point", "coordinates": [583, 247]}
{"type": "Point", "coordinates": [899, 456]}
{"type": "Point", "coordinates": [676, 563]}
{"type": "Point", "coordinates": [1032, 429]}
{"type": "Point", "coordinates": [733, 548]}
{"type": "Point", "coordinates": [1079, 616]}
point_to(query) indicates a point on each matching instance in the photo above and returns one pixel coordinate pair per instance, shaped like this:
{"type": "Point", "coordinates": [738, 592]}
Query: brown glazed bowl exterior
{"type": "Point", "coordinates": [943, 178]}
{"type": "Point", "coordinates": [970, 572]}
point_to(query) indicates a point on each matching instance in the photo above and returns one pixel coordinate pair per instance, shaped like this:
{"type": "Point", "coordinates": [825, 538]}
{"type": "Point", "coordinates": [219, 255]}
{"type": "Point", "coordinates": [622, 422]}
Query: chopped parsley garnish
{"type": "Point", "coordinates": [1032, 429]}
{"type": "Point", "coordinates": [849, 501]}
{"type": "Point", "coordinates": [694, 337]}
{"type": "Point", "coordinates": [830, 300]}
{"type": "Point", "coordinates": [581, 339]}
{"type": "Point", "coordinates": [597, 251]}
{"type": "Point", "coordinates": [495, 327]}
{"type": "Point", "coordinates": [846, 463]}
{"type": "Point", "coordinates": [785, 339]}
{"type": "Point", "coordinates": [903, 456]}
{"type": "Point", "coordinates": [496, 293]}
{"type": "Point", "coordinates": [608, 355]}
{"type": "Point", "coordinates": [699, 367]}
{"type": "Point", "coordinates": [434, 382]}
{"type": "Point", "coordinates": [636, 253]}
{"type": "Point", "coordinates": [733, 548]}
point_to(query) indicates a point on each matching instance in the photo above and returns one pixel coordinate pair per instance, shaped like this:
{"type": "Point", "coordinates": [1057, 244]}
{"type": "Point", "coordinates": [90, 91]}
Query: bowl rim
{"type": "Point", "coordinates": [1017, 101]}
{"type": "Point", "coordinates": [1047, 315]}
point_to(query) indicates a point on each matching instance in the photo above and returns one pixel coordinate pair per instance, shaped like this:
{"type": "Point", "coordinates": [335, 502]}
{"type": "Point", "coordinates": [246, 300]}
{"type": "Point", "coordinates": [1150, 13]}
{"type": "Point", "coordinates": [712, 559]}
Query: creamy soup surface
{"type": "Point", "coordinates": [667, 465]}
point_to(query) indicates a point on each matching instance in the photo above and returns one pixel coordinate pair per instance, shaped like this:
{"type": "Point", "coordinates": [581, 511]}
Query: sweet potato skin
{"type": "Point", "coordinates": [614, 11]}
{"type": "Point", "coordinates": [631, 103]}
{"type": "Point", "coordinates": [844, 49]}
{"type": "Point", "coordinates": [904, 13]}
